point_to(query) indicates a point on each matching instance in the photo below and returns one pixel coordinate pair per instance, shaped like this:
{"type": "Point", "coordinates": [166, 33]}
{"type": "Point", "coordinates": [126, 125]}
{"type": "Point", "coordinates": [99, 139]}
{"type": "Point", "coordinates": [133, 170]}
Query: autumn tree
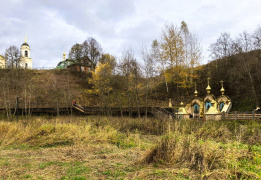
{"type": "Point", "coordinates": [102, 83]}
{"type": "Point", "coordinates": [130, 69]}
{"type": "Point", "coordinates": [172, 45]}
{"type": "Point", "coordinates": [107, 58]}
{"type": "Point", "coordinates": [179, 52]}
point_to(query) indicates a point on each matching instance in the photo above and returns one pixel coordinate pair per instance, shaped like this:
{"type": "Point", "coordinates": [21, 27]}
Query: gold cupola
{"type": "Point", "coordinates": [196, 92]}
{"type": "Point", "coordinates": [64, 55]}
{"type": "Point", "coordinates": [222, 90]}
{"type": "Point", "coordinates": [208, 87]}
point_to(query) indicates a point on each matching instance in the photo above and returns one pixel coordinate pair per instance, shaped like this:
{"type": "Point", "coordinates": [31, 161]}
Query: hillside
{"type": "Point", "coordinates": [39, 88]}
{"type": "Point", "coordinates": [58, 88]}
{"type": "Point", "coordinates": [241, 74]}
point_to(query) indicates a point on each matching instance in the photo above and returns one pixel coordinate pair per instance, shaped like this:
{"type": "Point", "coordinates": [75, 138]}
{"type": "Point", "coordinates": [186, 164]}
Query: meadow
{"type": "Point", "coordinates": [95, 147]}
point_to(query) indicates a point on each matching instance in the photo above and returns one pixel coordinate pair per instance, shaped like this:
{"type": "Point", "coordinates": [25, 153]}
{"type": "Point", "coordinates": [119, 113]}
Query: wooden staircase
{"type": "Point", "coordinates": [162, 113]}
{"type": "Point", "coordinates": [79, 108]}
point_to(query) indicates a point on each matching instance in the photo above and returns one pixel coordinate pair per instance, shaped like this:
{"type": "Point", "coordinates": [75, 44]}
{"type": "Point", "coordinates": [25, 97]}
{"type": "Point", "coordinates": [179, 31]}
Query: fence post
{"type": "Point", "coordinates": [253, 115]}
{"type": "Point", "coordinates": [17, 108]}
{"type": "Point", "coordinates": [223, 116]}
{"type": "Point", "coordinates": [236, 115]}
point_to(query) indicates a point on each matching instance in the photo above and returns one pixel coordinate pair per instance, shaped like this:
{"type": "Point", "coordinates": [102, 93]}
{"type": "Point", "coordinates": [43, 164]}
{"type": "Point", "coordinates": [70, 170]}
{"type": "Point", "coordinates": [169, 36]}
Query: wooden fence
{"type": "Point", "coordinates": [242, 116]}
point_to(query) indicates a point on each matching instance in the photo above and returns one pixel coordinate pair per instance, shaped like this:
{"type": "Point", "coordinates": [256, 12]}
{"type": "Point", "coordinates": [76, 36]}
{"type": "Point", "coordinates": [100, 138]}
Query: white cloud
{"type": "Point", "coordinates": [53, 26]}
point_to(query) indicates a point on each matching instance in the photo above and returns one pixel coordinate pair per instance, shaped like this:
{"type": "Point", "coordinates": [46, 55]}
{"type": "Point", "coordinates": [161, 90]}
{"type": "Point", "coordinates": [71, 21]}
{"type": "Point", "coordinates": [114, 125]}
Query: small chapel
{"type": "Point", "coordinates": [208, 107]}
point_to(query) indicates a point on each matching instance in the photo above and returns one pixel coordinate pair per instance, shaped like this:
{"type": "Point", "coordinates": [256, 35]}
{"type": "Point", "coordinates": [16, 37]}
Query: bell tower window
{"type": "Point", "coordinates": [26, 53]}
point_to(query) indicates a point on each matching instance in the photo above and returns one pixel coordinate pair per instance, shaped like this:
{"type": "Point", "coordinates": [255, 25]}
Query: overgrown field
{"type": "Point", "coordinates": [127, 148]}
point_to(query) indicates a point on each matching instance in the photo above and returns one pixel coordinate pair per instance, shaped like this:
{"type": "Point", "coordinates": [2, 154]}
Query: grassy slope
{"type": "Point", "coordinates": [40, 88]}
{"type": "Point", "coordinates": [124, 148]}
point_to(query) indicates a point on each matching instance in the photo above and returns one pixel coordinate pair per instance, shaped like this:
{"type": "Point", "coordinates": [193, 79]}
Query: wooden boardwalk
{"type": "Point", "coordinates": [161, 113]}
{"type": "Point", "coordinates": [83, 110]}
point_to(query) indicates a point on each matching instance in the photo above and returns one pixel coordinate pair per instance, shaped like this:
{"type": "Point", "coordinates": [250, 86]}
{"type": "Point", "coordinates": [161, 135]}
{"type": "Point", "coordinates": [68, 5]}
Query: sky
{"type": "Point", "coordinates": [54, 26]}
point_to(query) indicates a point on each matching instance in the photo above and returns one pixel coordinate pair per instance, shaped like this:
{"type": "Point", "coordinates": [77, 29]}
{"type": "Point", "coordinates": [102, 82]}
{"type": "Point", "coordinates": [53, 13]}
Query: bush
{"type": "Point", "coordinates": [177, 149]}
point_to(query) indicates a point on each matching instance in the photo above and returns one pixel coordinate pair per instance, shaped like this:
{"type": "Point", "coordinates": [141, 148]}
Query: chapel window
{"type": "Point", "coordinates": [221, 106]}
{"type": "Point", "coordinates": [196, 108]}
{"type": "Point", "coordinates": [208, 105]}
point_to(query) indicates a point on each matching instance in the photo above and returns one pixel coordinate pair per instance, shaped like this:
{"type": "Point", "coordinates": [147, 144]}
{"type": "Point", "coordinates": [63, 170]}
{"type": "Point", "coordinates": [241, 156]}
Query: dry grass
{"type": "Point", "coordinates": [125, 148]}
{"type": "Point", "coordinates": [207, 159]}
{"type": "Point", "coordinates": [215, 150]}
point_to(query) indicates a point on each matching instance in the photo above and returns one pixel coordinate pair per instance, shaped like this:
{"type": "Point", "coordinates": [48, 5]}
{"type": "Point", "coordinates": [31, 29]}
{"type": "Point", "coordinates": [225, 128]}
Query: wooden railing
{"type": "Point", "coordinates": [243, 116]}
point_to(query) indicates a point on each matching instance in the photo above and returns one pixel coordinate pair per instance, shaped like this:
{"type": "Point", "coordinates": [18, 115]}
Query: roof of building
{"type": "Point", "coordinates": [25, 44]}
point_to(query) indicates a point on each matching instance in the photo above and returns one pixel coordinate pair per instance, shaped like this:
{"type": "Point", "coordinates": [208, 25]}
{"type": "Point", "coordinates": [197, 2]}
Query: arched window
{"type": "Point", "coordinates": [208, 105]}
{"type": "Point", "coordinates": [196, 108]}
{"type": "Point", "coordinates": [26, 66]}
{"type": "Point", "coordinates": [26, 53]}
{"type": "Point", "coordinates": [221, 105]}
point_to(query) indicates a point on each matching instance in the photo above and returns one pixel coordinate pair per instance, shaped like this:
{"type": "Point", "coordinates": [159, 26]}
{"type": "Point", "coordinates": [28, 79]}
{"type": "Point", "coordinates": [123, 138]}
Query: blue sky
{"type": "Point", "coordinates": [52, 27]}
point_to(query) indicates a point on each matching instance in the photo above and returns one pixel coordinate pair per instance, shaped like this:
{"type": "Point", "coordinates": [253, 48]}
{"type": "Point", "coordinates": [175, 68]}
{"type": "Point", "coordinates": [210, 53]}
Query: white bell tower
{"type": "Point", "coordinates": [25, 62]}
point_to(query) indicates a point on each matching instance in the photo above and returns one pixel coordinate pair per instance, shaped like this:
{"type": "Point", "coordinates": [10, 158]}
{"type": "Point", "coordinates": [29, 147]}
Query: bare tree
{"type": "Point", "coordinates": [76, 54]}
{"type": "Point", "coordinates": [149, 71]}
{"type": "Point", "coordinates": [257, 41]}
{"type": "Point", "coordinates": [92, 49]}
{"type": "Point", "coordinates": [256, 36]}
{"type": "Point", "coordinates": [12, 55]}
{"type": "Point", "coordinates": [223, 47]}
{"type": "Point", "coordinates": [192, 48]}
{"type": "Point", "coordinates": [245, 43]}
{"type": "Point", "coordinates": [158, 59]}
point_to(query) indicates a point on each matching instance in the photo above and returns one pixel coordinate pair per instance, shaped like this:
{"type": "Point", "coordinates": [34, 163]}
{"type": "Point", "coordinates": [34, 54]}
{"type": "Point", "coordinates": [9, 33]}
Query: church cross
{"type": "Point", "coordinates": [221, 83]}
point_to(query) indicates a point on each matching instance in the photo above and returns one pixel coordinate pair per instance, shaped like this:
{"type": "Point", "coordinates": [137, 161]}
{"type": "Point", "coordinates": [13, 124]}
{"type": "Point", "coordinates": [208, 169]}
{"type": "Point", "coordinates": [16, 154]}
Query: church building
{"type": "Point", "coordinates": [25, 61]}
{"type": "Point", "coordinates": [2, 62]}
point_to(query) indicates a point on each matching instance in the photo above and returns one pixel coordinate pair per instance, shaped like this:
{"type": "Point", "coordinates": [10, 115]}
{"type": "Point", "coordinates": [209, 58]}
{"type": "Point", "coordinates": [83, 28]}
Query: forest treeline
{"type": "Point", "coordinates": [167, 69]}
{"type": "Point", "coordinates": [238, 62]}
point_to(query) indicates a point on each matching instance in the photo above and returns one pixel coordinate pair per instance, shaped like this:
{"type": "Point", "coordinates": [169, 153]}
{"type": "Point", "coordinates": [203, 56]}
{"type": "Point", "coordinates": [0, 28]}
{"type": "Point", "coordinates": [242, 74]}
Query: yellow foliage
{"type": "Point", "coordinates": [102, 78]}
{"type": "Point", "coordinates": [179, 75]}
